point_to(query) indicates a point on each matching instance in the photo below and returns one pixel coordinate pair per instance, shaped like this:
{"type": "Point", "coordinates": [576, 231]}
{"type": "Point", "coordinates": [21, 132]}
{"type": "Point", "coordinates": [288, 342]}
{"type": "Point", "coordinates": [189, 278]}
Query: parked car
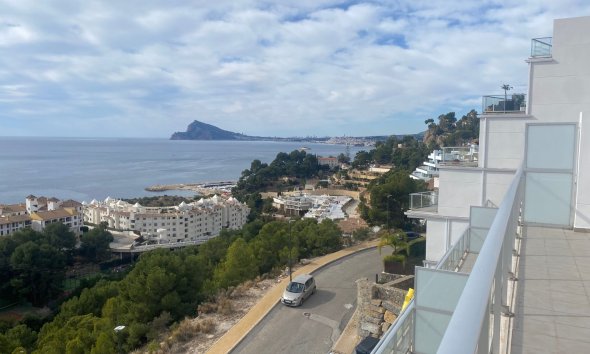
{"type": "Point", "coordinates": [412, 235]}
{"type": "Point", "coordinates": [298, 290]}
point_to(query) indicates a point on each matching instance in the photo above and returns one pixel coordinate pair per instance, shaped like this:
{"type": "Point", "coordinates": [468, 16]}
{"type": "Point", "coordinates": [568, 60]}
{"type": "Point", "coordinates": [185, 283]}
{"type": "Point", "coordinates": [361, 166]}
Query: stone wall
{"type": "Point", "coordinates": [380, 304]}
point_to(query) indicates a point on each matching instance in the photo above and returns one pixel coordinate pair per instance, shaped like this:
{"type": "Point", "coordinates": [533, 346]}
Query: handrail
{"type": "Point", "coordinates": [390, 335]}
{"type": "Point", "coordinates": [464, 329]}
{"type": "Point", "coordinates": [460, 243]}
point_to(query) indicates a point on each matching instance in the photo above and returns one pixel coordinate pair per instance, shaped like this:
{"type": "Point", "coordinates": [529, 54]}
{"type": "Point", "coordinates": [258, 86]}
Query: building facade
{"type": "Point", "coordinates": [200, 220]}
{"type": "Point", "coordinates": [38, 212]}
{"type": "Point", "coordinates": [546, 132]}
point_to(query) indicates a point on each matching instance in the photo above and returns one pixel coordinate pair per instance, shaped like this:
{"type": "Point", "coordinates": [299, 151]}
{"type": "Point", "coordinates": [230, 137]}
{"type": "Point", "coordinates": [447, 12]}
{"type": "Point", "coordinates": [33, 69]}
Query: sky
{"type": "Point", "coordinates": [144, 68]}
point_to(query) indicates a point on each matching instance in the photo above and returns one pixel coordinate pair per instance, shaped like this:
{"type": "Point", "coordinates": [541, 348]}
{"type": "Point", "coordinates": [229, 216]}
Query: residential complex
{"type": "Point", "coordinates": [505, 264]}
{"type": "Point", "coordinates": [449, 156]}
{"type": "Point", "coordinates": [195, 221]}
{"type": "Point", "coordinates": [38, 212]}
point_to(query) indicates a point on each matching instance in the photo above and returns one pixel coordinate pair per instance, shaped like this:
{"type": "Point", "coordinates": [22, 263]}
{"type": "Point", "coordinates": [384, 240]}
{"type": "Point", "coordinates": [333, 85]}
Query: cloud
{"type": "Point", "coordinates": [307, 67]}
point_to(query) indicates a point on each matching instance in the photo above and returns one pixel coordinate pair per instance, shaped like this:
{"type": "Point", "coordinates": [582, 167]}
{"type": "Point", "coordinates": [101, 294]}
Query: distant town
{"type": "Point", "coordinates": [202, 131]}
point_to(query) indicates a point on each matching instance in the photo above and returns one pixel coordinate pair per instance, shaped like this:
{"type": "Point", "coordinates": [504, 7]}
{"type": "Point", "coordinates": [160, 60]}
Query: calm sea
{"type": "Point", "coordinates": [94, 168]}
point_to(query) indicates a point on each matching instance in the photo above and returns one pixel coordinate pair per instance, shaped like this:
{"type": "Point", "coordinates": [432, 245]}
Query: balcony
{"type": "Point", "coordinates": [503, 287]}
{"type": "Point", "coordinates": [459, 156]}
{"type": "Point", "coordinates": [509, 104]}
{"type": "Point", "coordinates": [424, 201]}
{"type": "Point", "coordinates": [541, 47]}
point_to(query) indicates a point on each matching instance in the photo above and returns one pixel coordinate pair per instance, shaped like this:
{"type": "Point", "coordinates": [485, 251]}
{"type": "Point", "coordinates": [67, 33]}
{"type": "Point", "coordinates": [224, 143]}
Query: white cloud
{"type": "Point", "coordinates": [304, 67]}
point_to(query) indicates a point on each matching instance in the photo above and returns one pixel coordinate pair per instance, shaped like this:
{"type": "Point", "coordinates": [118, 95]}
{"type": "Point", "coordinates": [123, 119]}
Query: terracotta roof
{"type": "Point", "coordinates": [51, 215]}
{"type": "Point", "coordinates": [13, 208]}
{"type": "Point", "coordinates": [17, 218]}
{"type": "Point", "coordinates": [71, 203]}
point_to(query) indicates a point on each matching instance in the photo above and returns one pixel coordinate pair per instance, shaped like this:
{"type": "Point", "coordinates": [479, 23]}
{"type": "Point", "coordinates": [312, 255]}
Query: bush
{"type": "Point", "coordinates": [400, 258]}
{"type": "Point", "coordinates": [188, 329]}
{"type": "Point", "coordinates": [418, 248]}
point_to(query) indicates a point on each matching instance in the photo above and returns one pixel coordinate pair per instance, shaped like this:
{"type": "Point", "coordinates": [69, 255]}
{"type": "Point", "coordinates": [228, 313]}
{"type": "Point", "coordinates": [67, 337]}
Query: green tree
{"type": "Point", "coordinates": [239, 265]}
{"type": "Point", "coordinates": [95, 244]}
{"type": "Point", "coordinates": [60, 236]}
{"type": "Point", "coordinates": [362, 159]}
{"type": "Point", "coordinates": [39, 272]}
{"type": "Point", "coordinates": [18, 337]}
{"type": "Point", "coordinates": [390, 198]}
{"type": "Point", "coordinates": [105, 344]}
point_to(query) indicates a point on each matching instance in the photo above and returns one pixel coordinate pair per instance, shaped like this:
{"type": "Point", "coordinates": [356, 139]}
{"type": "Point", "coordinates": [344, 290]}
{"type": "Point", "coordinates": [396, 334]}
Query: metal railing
{"type": "Point", "coordinates": [452, 260]}
{"type": "Point", "coordinates": [424, 200]}
{"type": "Point", "coordinates": [541, 47]}
{"type": "Point", "coordinates": [515, 103]}
{"type": "Point", "coordinates": [460, 156]}
{"type": "Point", "coordinates": [399, 339]}
{"type": "Point", "coordinates": [475, 324]}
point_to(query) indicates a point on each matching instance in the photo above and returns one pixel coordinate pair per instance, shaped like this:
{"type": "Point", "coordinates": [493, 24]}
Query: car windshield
{"type": "Point", "coordinates": [295, 287]}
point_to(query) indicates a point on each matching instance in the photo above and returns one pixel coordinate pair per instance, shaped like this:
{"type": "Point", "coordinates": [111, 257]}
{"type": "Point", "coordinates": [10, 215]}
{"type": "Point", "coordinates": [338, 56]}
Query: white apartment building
{"type": "Point", "coordinates": [331, 162]}
{"type": "Point", "coordinates": [38, 212]}
{"type": "Point", "coordinates": [459, 155]}
{"type": "Point", "coordinates": [506, 267]}
{"type": "Point", "coordinates": [548, 132]}
{"type": "Point", "coordinates": [200, 220]}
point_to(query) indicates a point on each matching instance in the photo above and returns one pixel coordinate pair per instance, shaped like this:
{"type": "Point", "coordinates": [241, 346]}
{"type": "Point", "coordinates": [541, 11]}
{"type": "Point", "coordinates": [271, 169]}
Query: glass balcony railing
{"type": "Point", "coordinates": [457, 310]}
{"type": "Point", "coordinates": [459, 155]}
{"type": "Point", "coordinates": [541, 47]}
{"type": "Point", "coordinates": [514, 103]}
{"type": "Point", "coordinates": [424, 200]}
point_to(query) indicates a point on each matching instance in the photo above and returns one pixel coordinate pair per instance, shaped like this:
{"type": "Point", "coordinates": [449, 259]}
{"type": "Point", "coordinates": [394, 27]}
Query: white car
{"type": "Point", "coordinates": [298, 290]}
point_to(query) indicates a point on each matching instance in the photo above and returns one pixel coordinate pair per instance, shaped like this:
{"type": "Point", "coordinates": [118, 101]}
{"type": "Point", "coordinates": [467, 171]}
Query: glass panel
{"type": "Point", "coordinates": [551, 146]}
{"type": "Point", "coordinates": [482, 217]}
{"type": "Point", "coordinates": [477, 237]}
{"type": "Point", "coordinates": [437, 289]}
{"type": "Point", "coordinates": [430, 328]}
{"type": "Point", "coordinates": [548, 198]}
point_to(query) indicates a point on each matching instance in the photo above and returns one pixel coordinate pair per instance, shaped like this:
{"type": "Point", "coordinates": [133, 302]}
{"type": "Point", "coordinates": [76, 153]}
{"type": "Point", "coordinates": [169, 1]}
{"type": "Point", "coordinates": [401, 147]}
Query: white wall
{"type": "Point", "coordinates": [561, 92]}
{"type": "Point", "coordinates": [441, 235]}
{"type": "Point", "coordinates": [458, 190]}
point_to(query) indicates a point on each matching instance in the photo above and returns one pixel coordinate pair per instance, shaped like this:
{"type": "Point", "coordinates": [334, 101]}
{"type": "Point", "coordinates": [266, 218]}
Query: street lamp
{"type": "Point", "coordinates": [388, 196]}
{"type": "Point", "coordinates": [290, 246]}
{"type": "Point", "coordinates": [506, 88]}
{"type": "Point", "coordinates": [118, 330]}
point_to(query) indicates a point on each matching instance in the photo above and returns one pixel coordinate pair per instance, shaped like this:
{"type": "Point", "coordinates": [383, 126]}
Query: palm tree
{"type": "Point", "coordinates": [506, 88]}
{"type": "Point", "coordinates": [396, 239]}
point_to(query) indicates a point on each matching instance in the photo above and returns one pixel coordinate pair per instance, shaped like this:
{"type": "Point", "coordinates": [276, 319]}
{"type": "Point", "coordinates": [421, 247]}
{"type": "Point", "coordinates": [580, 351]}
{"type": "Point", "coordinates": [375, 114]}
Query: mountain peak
{"type": "Point", "coordinates": [203, 131]}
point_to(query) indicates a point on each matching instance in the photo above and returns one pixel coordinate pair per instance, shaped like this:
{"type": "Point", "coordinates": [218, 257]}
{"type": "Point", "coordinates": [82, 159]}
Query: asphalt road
{"type": "Point", "coordinates": [316, 325]}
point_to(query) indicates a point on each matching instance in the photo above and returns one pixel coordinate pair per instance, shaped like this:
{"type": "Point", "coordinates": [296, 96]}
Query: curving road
{"type": "Point", "coordinates": [316, 325]}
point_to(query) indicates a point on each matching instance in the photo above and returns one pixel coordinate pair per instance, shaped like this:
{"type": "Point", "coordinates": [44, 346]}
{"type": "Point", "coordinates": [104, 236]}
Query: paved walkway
{"type": "Point", "coordinates": [552, 312]}
{"type": "Point", "coordinates": [235, 334]}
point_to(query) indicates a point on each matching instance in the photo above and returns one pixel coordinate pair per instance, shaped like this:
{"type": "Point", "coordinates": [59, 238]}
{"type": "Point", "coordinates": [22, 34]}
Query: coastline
{"type": "Point", "coordinates": [199, 188]}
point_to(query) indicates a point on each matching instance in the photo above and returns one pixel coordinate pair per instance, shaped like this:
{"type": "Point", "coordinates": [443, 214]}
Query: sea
{"type": "Point", "coordinates": [95, 168]}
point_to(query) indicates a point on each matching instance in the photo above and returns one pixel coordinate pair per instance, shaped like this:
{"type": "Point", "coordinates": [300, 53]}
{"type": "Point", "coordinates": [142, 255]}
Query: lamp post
{"type": "Point", "coordinates": [118, 330]}
{"type": "Point", "coordinates": [290, 246]}
{"type": "Point", "coordinates": [506, 88]}
{"type": "Point", "coordinates": [388, 196]}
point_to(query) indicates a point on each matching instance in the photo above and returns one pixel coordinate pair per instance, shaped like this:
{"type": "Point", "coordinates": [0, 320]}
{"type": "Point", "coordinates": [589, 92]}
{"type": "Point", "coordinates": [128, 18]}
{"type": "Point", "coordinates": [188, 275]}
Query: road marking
{"type": "Point", "coordinates": [348, 306]}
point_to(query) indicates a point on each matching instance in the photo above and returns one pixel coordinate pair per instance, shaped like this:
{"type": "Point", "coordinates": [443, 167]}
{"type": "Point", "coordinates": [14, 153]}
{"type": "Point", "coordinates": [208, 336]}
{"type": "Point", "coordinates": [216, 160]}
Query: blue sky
{"type": "Point", "coordinates": [281, 68]}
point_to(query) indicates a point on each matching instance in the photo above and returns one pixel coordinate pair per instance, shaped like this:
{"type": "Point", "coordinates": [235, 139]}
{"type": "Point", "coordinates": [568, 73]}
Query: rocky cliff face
{"type": "Point", "coordinates": [203, 131]}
